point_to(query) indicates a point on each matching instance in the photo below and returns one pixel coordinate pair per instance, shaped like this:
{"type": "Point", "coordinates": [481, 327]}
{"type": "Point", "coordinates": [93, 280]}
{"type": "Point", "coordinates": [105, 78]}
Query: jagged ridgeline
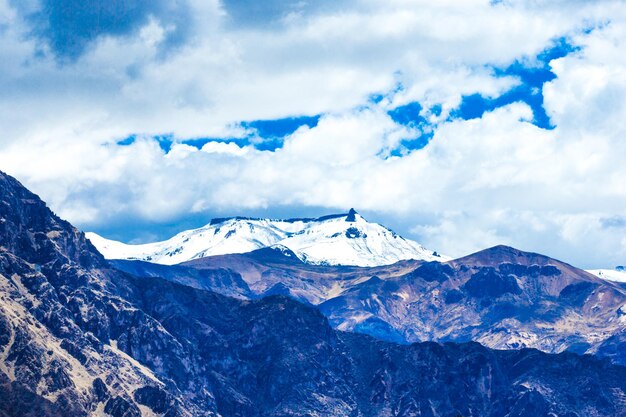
{"type": "Point", "coordinates": [336, 239]}
{"type": "Point", "coordinates": [78, 338]}
{"type": "Point", "coordinates": [501, 297]}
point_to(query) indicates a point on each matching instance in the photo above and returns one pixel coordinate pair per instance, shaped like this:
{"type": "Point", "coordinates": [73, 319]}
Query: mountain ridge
{"type": "Point", "coordinates": [502, 297]}
{"type": "Point", "coordinates": [348, 214]}
{"type": "Point", "coordinates": [335, 239]}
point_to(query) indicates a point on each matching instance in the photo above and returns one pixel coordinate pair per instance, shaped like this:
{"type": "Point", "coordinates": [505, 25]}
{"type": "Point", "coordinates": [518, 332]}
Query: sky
{"type": "Point", "coordinates": [460, 124]}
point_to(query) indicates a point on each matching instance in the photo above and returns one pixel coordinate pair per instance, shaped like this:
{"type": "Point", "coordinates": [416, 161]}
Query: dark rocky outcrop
{"type": "Point", "coordinates": [489, 283]}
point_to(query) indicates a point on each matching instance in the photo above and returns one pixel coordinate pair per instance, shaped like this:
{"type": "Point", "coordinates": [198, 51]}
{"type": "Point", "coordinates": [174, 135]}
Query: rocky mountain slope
{"type": "Point", "coordinates": [78, 338]}
{"type": "Point", "coordinates": [501, 297]}
{"type": "Point", "coordinates": [267, 271]}
{"type": "Point", "coordinates": [340, 239]}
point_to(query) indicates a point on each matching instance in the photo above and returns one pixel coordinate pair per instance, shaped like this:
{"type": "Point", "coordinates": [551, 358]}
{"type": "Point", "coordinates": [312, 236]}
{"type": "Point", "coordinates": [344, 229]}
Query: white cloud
{"type": "Point", "coordinates": [224, 148]}
{"type": "Point", "coordinates": [497, 179]}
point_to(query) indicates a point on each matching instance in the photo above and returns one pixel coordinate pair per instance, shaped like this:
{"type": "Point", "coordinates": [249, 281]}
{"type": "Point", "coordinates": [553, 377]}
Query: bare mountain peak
{"type": "Point", "coordinates": [503, 253]}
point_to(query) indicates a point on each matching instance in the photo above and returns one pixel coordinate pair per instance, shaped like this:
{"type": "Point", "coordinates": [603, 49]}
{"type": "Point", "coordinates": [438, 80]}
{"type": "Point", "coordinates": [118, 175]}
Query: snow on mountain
{"type": "Point", "coordinates": [618, 274]}
{"type": "Point", "coordinates": [352, 240]}
{"type": "Point", "coordinates": [341, 239]}
{"type": "Point", "coordinates": [221, 236]}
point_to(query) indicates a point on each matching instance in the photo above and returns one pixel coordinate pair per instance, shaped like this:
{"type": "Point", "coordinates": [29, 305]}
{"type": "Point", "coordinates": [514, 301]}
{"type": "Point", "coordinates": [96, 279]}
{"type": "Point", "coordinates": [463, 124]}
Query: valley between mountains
{"type": "Point", "coordinates": [365, 324]}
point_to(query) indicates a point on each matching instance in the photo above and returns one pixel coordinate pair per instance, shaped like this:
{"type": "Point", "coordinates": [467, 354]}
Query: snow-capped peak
{"type": "Point", "coordinates": [340, 239]}
{"type": "Point", "coordinates": [618, 274]}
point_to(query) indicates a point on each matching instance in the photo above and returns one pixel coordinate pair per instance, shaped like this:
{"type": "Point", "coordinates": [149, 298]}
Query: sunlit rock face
{"type": "Point", "coordinates": [501, 297]}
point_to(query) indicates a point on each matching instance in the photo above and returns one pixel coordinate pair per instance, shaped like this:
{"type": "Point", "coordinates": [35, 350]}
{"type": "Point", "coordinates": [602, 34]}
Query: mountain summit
{"type": "Point", "coordinates": [337, 239]}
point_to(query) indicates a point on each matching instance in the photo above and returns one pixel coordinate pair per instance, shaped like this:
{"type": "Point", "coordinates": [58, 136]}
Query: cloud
{"type": "Point", "coordinates": [497, 178]}
{"type": "Point", "coordinates": [67, 27]}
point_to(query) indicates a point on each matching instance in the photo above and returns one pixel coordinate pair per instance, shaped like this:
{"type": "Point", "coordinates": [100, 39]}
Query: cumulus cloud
{"type": "Point", "coordinates": [494, 179]}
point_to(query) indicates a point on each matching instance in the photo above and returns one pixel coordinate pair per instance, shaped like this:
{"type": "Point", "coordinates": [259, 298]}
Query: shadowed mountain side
{"type": "Point", "coordinates": [220, 280]}
{"type": "Point", "coordinates": [266, 268]}
{"type": "Point", "coordinates": [281, 355]}
{"type": "Point", "coordinates": [501, 297]}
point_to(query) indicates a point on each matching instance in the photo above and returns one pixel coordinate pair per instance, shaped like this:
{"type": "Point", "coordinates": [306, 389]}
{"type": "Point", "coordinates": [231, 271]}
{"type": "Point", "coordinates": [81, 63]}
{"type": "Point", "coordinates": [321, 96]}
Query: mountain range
{"type": "Point", "coordinates": [501, 297]}
{"type": "Point", "coordinates": [80, 337]}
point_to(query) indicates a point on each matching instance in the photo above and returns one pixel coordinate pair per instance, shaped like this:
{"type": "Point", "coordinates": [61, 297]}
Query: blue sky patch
{"type": "Point", "coordinates": [376, 98]}
{"type": "Point", "coordinates": [264, 135]}
{"type": "Point", "coordinates": [530, 91]}
{"type": "Point", "coordinates": [407, 145]}
{"type": "Point", "coordinates": [280, 127]}
{"type": "Point", "coordinates": [409, 115]}
{"type": "Point", "coordinates": [127, 141]}
{"type": "Point", "coordinates": [164, 141]}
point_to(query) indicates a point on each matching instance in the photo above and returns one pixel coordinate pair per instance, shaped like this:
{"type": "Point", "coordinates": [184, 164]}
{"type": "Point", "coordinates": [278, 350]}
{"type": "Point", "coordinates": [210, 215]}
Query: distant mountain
{"type": "Point", "coordinates": [78, 338]}
{"type": "Point", "coordinates": [263, 272]}
{"type": "Point", "coordinates": [340, 239]}
{"type": "Point", "coordinates": [618, 274]}
{"type": "Point", "coordinates": [501, 297]}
